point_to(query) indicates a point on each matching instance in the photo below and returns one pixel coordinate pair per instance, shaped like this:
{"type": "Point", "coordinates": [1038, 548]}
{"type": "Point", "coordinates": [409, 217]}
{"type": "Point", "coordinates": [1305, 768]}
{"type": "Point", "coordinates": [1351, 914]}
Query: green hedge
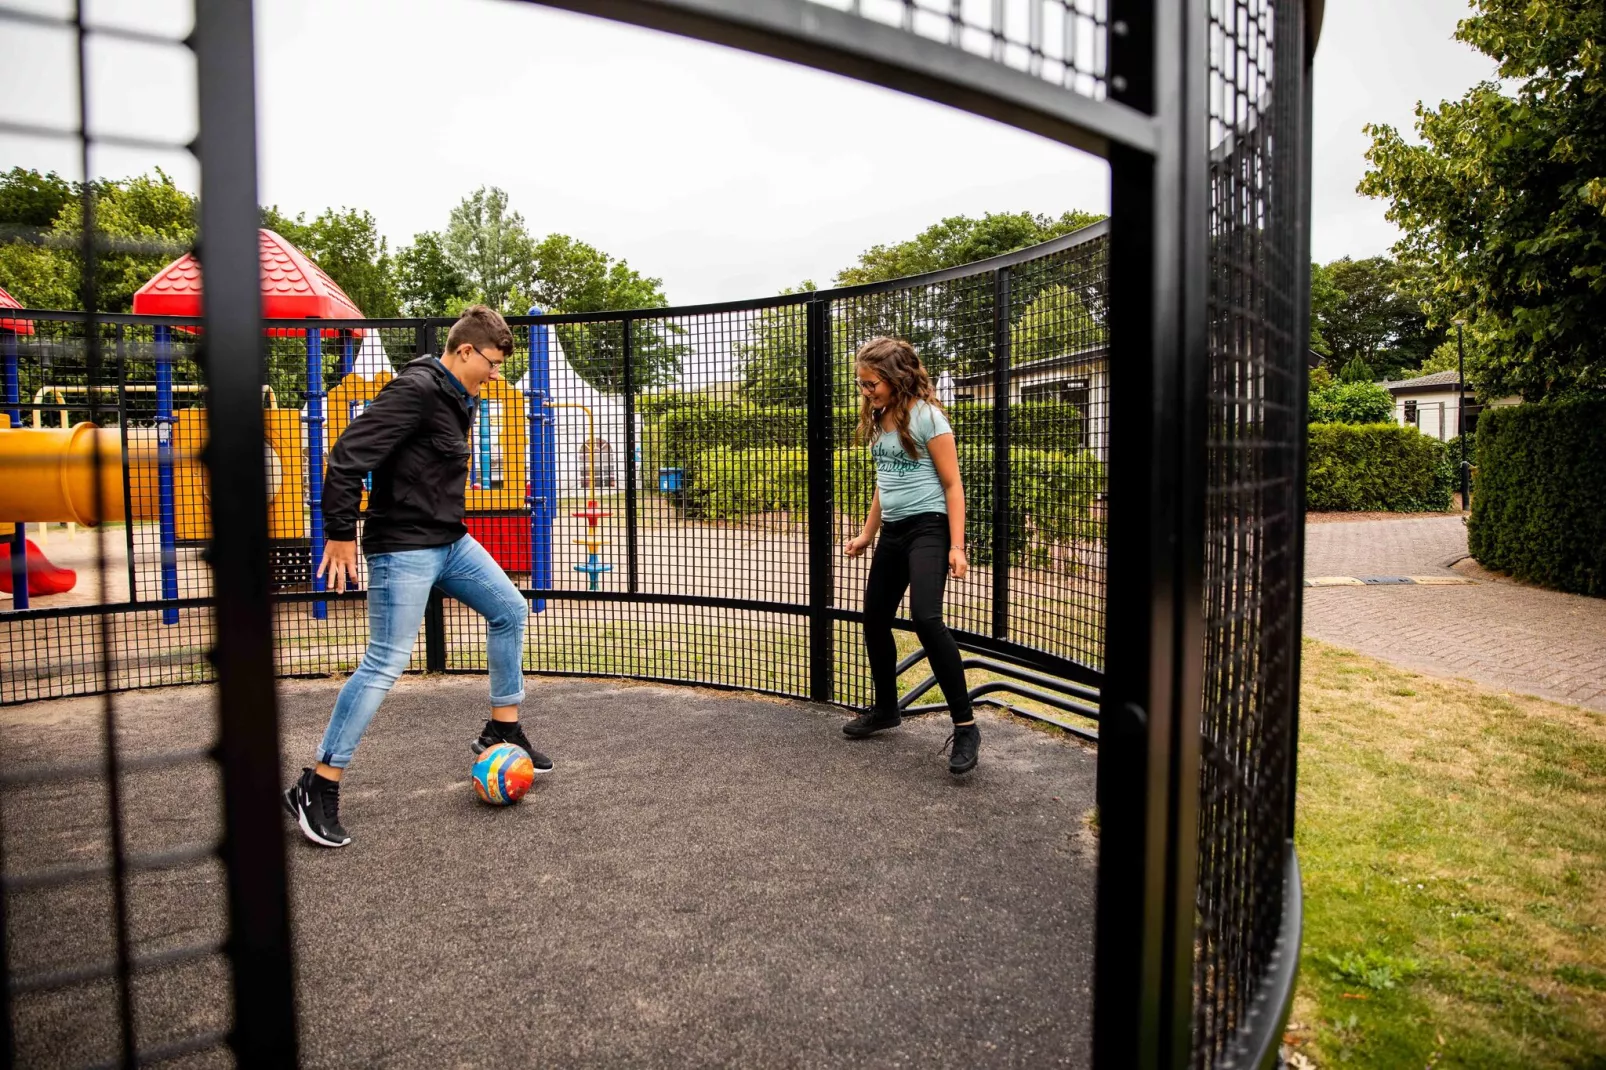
{"type": "Point", "coordinates": [1539, 501]}
{"type": "Point", "coordinates": [1364, 467]}
{"type": "Point", "coordinates": [1053, 492]}
{"type": "Point", "coordinates": [679, 429]}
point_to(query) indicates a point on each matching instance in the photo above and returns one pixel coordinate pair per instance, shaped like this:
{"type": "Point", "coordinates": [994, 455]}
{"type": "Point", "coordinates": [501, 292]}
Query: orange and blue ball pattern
{"type": "Point", "coordinates": [502, 774]}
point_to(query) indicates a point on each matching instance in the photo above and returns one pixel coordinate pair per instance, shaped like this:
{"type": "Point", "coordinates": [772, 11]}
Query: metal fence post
{"type": "Point", "coordinates": [1001, 473]}
{"type": "Point", "coordinates": [1149, 728]}
{"type": "Point", "coordinates": [435, 632]}
{"type": "Point", "coordinates": [259, 948]}
{"type": "Point", "coordinates": [822, 576]}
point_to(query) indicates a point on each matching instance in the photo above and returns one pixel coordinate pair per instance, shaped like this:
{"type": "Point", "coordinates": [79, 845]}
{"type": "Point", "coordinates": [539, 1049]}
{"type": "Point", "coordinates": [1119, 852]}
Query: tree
{"type": "Point", "coordinates": [30, 202]}
{"type": "Point", "coordinates": [1502, 203]}
{"type": "Point", "coordinates": [1356, 371]}
{"type": "Point", "coordinates": [1350, 403]}
{"type": "Point", "coordinates": [490, 247]}
{"type": "Point", "coordinates": [774, 356]}
{"type": "Point", "coordinates": [347, 245]}
{"type": "Point", "coordinates": [1371, 309]}
{"type": "Point", "coordinates": [571, 276]}
{"type": "Point", "coordinates": [1053, 323]}
{"type": "Point", "coordinates": [951, 323]}
{"type": "Point", "coordinates": [427, 282]}
{"type": "Point", "coordinates": [144, 224]}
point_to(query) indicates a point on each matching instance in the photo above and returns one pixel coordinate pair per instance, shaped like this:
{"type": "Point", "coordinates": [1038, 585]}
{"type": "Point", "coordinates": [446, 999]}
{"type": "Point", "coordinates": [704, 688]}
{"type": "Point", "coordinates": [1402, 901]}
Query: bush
{"type": "Point", "coordinates": [679, 429]}
{"type": "Point", "coordinates": [1050, 506]}
{"type": "Point", "coordinates": [1350, 403]}
{"type": "Point", "coordinates": [1376, 467]}
{"type": "Point", "coordinates": [1539, 503]}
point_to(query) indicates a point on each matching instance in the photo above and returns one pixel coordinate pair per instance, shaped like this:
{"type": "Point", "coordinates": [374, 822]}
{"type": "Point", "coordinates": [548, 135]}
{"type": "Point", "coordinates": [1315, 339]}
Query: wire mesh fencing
{"type": "Point", "coordinates": [670, 488]}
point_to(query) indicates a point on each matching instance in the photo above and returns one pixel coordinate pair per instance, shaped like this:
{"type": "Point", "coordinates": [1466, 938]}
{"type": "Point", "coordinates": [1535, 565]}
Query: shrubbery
{"type": "Point", "coordinates": [1350, 403]}
{"type": "Point", "coordinates": [1050, 503]}
{"type": "Point", "coordinates": [1376, 467]}
{"type": "Point", "coordinates": [1539, 503]}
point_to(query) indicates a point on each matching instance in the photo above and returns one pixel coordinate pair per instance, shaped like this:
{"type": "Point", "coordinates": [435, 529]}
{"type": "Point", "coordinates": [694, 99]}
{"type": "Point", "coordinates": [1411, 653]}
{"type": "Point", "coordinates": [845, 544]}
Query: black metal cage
{"type": "Point", "coordinates": [669, 488]}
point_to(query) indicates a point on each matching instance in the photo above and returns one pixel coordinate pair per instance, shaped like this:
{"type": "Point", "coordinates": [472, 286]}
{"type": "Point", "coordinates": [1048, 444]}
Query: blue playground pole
{"type": "Point", "coordinates": [543, 459]}
{"type": "Point", "coordinates": [348, 353]}
{"type": "Point", "coordinates": [485, 444]}
{"type": "Point", "coordinates": [166, 499]}
{"type": "Point", "coordinates": [320, 610]}
{"type": "Point", "coordinates": [19, 542]}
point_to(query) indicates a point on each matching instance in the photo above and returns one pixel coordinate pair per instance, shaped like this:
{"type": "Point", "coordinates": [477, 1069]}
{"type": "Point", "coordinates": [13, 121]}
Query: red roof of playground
{"type": "Point", "coordinates": [19, 326]}
{"type": "Point", "coordinates": [293, 288]}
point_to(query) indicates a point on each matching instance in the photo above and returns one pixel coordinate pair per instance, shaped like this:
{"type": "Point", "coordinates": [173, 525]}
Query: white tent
{"type": "Point", "coordinates": [945, 388]}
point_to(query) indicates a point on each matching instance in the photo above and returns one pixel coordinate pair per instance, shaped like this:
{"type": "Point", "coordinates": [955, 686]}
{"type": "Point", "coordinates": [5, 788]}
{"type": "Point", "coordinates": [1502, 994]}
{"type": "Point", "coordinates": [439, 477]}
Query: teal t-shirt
{"type": "Point", "coordinates": [910, 487]}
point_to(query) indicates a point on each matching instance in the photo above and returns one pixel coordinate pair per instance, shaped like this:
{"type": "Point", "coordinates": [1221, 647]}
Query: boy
{"type": "Point", "coordinates": [414, 439]}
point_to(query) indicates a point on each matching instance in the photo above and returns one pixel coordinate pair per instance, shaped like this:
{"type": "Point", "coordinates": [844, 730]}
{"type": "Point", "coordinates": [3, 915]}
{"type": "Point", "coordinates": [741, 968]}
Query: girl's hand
{"type": "Point", "coordinates": [857, 545]}
{"type": "Point", "coordinates": [957, 565]}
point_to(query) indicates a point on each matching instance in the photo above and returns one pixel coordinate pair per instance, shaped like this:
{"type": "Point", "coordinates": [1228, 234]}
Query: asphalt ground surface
{"type": "Point", "coordinates": [707, 879]}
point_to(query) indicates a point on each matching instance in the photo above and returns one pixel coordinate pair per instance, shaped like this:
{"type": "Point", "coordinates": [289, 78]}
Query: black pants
{"type": "Point", "coordinates": [912, 554]}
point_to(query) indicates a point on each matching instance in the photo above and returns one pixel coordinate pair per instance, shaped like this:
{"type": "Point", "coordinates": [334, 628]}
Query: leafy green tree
{"type": "Point", "coordinates": [951, 323]}
{"type": "Point", "coordinates": [490, 247]}
{"type": "Point", "coordinates": [1356, 371]}
{"type": "Point", "coordinates": [572, 276]}
{"type": "Point", "coordinates": [144, 224]}
{"type": "Point", "coordinates": [1371, 309]}
{"type": "Point", "coordinates": [30, 201]}
{"type": "Point", "coordinates": [427, 282]}
{"type": "Point", "coordinates": [774, 356]}
{"type": "Point", "coordinates": [1502, 203]}
{"type": "Point", "coordinates": [1053, 323]}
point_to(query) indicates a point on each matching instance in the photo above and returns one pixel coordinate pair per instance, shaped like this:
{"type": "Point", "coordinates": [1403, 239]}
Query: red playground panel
{"type": "Point", "coordinates": [506, 536]}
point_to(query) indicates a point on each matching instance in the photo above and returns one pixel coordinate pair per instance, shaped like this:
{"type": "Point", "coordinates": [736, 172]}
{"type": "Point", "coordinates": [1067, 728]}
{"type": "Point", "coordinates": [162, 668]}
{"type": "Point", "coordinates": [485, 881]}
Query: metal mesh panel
{"type": "Point", "coordinates": [1252, 503]}
{"type": "Point", "coordinates": [661, 525]}
{"type": "Point", "coordinates": [1064, 42]}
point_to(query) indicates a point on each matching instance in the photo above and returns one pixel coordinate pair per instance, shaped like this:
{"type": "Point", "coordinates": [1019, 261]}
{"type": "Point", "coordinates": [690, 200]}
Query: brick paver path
{"type": "Point", "coordinates": [1502, 634]}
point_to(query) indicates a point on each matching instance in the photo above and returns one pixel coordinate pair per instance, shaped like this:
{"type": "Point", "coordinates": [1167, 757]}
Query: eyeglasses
{"type": "Point", "coordinates": [867, 386]}
{"type": "Point", "coordinates": [496, 365]}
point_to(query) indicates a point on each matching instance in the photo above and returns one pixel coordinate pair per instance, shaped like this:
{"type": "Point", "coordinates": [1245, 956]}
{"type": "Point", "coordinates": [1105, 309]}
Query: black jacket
{"type": "Point", "coordinates": [414, 439]}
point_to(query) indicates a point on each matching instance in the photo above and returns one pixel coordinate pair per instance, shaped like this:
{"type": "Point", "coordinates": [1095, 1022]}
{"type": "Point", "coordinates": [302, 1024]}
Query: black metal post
{"type": "Point", "coordinates": [1002, 549]}
{"type": "Point", "coordinates": [259, 948]}
{"type": "Point", "coordinates": [120, 333]}
{"type": "Point", "coordinates": [1150, 707]}
{"type": "Point", "coordinates": [630, 458]}
{"type": "Point", "coordinates": [1461, 417]}
{"type": "Point", "coordinates": [822, 576]}
{"type": "Point", "coordinates": [435, 632]}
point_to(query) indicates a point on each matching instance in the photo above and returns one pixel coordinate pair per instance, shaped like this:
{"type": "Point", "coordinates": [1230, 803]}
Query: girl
{"type": "Point", "coordinates": [920, 500]}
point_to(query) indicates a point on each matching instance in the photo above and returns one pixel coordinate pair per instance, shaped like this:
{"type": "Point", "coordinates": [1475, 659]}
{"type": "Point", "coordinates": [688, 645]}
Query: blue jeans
{"type": "Point", "coordinates": [398, 591]}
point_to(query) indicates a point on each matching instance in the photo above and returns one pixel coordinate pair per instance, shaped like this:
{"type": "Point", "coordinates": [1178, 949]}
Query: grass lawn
{"type": "Point", "coordinates": [1453, 841]}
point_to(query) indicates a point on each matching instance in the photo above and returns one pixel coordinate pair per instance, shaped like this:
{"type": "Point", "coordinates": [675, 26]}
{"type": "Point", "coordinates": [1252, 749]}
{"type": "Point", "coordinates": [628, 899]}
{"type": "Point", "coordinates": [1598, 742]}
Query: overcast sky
{"type": "Point", "coordinates": [725, 174]}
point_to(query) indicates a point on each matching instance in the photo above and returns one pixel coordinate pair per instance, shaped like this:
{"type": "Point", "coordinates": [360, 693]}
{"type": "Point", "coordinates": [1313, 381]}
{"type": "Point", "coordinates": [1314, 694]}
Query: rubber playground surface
{"type": "Point", "coordinates": [707, 879]}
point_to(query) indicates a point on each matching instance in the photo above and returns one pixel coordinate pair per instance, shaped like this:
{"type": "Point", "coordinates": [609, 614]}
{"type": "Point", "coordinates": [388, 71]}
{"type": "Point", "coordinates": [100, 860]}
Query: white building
{"type": "Point", "coordinates": [1431, 404]}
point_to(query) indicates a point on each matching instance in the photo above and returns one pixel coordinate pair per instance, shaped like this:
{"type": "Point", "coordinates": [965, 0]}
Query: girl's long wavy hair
{"type": "Point", "coordinates": [895, 362]}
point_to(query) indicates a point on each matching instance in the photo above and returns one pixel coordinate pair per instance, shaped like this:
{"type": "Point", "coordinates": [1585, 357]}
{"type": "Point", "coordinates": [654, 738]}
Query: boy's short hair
{"type": "Point", "coordinates": [480, 326]}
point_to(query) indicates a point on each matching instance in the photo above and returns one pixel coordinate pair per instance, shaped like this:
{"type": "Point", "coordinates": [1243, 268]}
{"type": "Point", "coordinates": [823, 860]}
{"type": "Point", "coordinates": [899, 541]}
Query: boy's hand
{"type": "Point", "coordinates": [340, 561]}
{"type": "Point", "coordinates": [857, 545]}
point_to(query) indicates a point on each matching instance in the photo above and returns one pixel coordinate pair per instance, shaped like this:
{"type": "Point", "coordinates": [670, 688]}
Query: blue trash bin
{"type": "Point", "coordinates": [669, 480]}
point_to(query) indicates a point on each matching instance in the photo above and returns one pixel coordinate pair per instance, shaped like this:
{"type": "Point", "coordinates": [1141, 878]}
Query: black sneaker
{"type": "Point", "coordinates": [509, 732]}
{"type": "Point", "coordinates": [315, 804]}
{"type": "Point", "coordinates": [870, 722]}
{"type": "Point", "coordinates": [966, 742]}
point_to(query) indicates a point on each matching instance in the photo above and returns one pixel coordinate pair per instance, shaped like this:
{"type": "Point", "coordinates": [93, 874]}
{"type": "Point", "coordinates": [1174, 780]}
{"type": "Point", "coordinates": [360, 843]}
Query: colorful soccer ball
{"type": "Point", "coordinates": [502, 774]}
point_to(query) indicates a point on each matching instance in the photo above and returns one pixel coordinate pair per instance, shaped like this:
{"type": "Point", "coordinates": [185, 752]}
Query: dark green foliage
{"type": "Point", "coordinates": [1376, 467]}
{"type": "Point", "coordinates": [1050, 503]}
{"type": "Point", "coordinates": [1539, 503]}
{"type": "Point", "coordinates": [1350, 403]}
{"type": "Point", "coordinates": [1355, 371]}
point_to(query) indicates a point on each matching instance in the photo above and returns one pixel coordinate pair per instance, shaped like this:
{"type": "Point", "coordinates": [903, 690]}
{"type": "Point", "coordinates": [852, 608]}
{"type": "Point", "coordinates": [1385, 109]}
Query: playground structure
{"type": "Point", "coordinates": [78, 475]}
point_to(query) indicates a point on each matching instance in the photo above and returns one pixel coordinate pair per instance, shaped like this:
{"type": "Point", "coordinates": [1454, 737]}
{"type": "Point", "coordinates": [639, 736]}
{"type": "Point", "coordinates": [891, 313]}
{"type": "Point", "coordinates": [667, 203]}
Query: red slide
{"type": "Point", "coordinates": [43, 577]}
